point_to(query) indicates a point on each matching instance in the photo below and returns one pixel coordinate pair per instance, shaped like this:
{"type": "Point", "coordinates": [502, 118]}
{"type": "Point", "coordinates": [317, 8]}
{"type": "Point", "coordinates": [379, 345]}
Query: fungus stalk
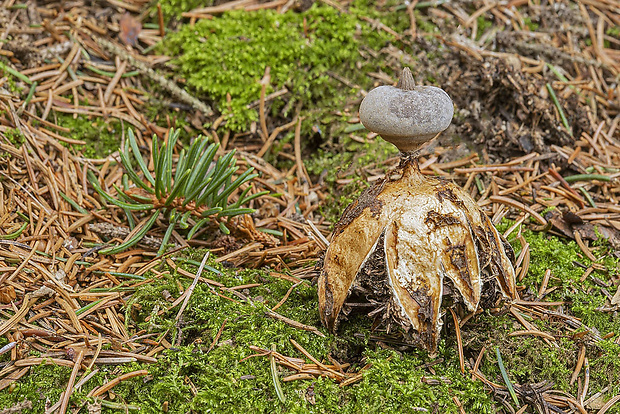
{"type": "Point", "coordinates": [411, 241]}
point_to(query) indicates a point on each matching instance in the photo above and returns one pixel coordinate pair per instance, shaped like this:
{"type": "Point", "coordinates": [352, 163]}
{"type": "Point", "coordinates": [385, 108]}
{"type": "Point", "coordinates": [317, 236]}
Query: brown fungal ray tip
{"type": "Point", "coordinates": [433, 232]}
{"type": "Point", "coordinates": [407, 115]}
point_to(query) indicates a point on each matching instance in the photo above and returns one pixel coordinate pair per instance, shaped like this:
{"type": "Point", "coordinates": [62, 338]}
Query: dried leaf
{"type": "Point", "coordinates": [7, 294]}
{"type": "Point", "coordinates": [130, 29]}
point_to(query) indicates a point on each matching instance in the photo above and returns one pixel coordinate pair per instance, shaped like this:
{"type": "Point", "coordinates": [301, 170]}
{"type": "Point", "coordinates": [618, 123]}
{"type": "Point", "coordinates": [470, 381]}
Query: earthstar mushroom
{"type": "Point", "coordinates": [411, 240]}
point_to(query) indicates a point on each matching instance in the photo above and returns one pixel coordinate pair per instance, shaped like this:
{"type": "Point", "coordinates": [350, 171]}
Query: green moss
{"type": "Point", "coordinates": [395, 382]}
{"type": "Point", "coordinates": [605, 368]}
{"type": "Point", "coordinates": [613, 31]}
{"type": "Point", "coordinates": [102, 136]}
{"type": "Point", "coordinates": [14, 86]}
{"type": "Point", "coordinates": [567, 265]}
{"type": "Point", "coordinates": [334, 206]}
{"type": "Point", "coordinates": [527, 359]}
{"type": "Point", "coordinates": [530, 360]}
{"type": "Point", "coordinates": [424, 24]}
{"type": "Point", "coordinates": [15, 137]}
{"type": "Point", "coordinates": [41, 383]}
{"type": "Point", "coordinates": [483, 26]}
{"type": "Point", "coordinates": [392, 13]}
{"type": "Point", "coordinates": [532, 26]}
{"type": "Point", "coordinates": [172, 9]}
{"type": "Point", "coordinates": [228, 55]}
{"type": "Point", "coordinates": [166, 117]}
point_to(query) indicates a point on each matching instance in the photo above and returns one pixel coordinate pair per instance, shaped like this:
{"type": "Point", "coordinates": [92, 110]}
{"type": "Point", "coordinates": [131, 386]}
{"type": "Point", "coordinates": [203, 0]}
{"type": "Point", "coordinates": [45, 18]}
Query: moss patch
{"type": "Point", "coordinates": [229, 55]}
{"type": "Point", "coordinates": [173, 8]}
{"type": "Point", "coordinates": [567, 264]}
{"type": "Point", "coordinates": [483, 26]}
{"type": "Point", "coordinates": [15, 137]}
{"type": "Point", "coordinates": [102, 136]}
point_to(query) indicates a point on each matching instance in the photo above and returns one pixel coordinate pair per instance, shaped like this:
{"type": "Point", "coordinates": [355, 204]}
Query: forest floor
{"type": "Point", "coordinates": [227, 320]}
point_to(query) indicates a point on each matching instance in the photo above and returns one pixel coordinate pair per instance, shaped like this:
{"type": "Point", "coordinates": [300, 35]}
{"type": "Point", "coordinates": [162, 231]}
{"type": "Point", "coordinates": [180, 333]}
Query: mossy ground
{"type": "Point", "coordinates": [189, 377]}
{"type": "Point", "coordinates": [225, 59]}
{"type": "Point", "coordinates": [102, 136]}
{"type": "Point", "coordinates": [15, 137]}
{"type": "Point", "coordinates": [224, 384]}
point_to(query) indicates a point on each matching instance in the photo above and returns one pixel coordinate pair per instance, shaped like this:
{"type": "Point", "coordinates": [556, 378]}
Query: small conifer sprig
{"type": "Point", "coordinates": [194, 191]}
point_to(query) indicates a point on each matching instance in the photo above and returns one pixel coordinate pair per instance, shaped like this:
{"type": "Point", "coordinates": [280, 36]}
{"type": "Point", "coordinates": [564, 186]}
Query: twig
{"type": "Point", "coordinates": [29, 300]}
{"type": "Point", "coordinates": [273, 136]}
{"type": "Point", "coordinates": [584, 248]}
{"type": "Point", "coordinates": [217, 336]}
{"type": "Point", "coordinates": [286, 295]}
{"type": "Point", "coordinates": [261, 106]}
{"type": "Point", "coordinates": [160, 20]}
{"type": "Point", "coordinates": [64, 401]}
{"type": "Point", "coordinates": [586, 382]}
{"type": "Point", "coordinates": [316, 361]}
{"type": "Point", "coordinates": [458, 340]}
{"type": "Point", "coordinates": [609, 404]}
{"type": "Point", "coordinates": [459, 404]}
{"type": "Point", "coordinates": [521, 206]}
{"type": "Point", "coordinates": [532, 332]}
{"type": "Point", "coordinates": [18, 408]}
{"type": "Point", "coordinates": [294, 324]}
{"type": "Point", "coordinates": [113, 383]}
{"type": "Point", "coordinates": [477, 363]}
{"type": "Point", "coordinates": [412, 22]}
{"type": "Point", "coordinates": [190, 290]}
{"type": "Point", "coordinates": [154, 76]}
{"type": "Point", "coordinates": [301, 170]}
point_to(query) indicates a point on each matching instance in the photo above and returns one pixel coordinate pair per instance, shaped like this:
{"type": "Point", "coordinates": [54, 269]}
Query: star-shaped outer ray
{"type": "Point", "coordinates": [432, 230]}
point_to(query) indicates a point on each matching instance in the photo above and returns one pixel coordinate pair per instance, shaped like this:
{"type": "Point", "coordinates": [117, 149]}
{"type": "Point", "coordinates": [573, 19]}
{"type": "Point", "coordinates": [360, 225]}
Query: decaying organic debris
{"type": "Point", "coordinates": [410, 239]}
